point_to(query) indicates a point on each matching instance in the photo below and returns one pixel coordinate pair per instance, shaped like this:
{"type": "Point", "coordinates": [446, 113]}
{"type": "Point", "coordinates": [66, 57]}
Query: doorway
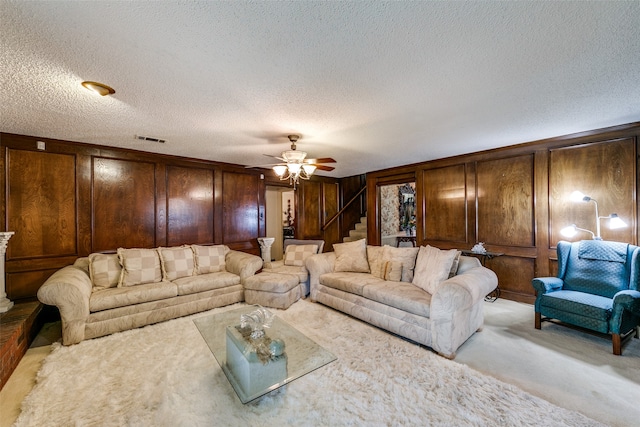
{"type": "Point", "coordinates": [280, 217]}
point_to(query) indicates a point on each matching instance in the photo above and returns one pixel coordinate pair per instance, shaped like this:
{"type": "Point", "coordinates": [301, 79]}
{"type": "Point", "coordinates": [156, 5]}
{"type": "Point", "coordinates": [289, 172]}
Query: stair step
{"type": "Point", "coordinates": [361, 226]}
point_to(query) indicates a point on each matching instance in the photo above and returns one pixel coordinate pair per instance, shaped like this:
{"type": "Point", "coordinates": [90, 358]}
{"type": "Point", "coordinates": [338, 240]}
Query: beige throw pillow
{"type": "Point", "coordinates": [209, 259]}
{"type": "Point", "coordinates": [393, 271]}
{"type": "Point", "coordinates": [104, 270]}
{"type": "Point", "coordinates": [176, 262]}
{"type": "Point", "coordinates": [139, 266]}
{"type": "Point", "coordinates": [455, 264]}
{"type": "Point", "coordinates": [432, 267]}
{"type": "Point", "coordinates": [352, 256]}
{"type": "Point", "coordinates": [406, 256]}
{"type": "Point", "coordinates": [376, 264]}
{"type": "Point", "coordinates": [296, 254]}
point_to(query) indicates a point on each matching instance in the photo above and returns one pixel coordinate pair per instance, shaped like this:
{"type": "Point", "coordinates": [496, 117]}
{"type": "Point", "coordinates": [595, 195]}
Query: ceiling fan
{"type": "Point", "coordinates": [294, 164]}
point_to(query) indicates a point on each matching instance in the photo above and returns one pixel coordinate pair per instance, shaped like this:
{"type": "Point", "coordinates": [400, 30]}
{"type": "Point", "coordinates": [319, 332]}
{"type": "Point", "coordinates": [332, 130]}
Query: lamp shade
{"type": "Point", "coordinates": [309, 169]}
{"type": "Point", "coordinates": [616, 222]}
{"type": "Point", "coordinates": [569, 231]}
{"type": "Point", "coordinates": [294, 168]}
{"type": "Point", "coordinates": [280, 169]}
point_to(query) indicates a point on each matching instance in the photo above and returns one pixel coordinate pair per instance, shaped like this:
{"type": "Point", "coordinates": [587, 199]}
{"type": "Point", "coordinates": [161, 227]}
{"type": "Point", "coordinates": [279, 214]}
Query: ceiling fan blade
{"type": "Point", "coordinates": [321, 160]}
{"type": "Point", "coordinates": [324, 168]}
{"type": "Point", "coordinates": [275, 157]}
{"type": "Point", "coordinates": [264, 166]}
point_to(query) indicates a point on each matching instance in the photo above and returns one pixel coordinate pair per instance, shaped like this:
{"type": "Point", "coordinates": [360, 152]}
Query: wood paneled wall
{"type": "Point", "coordinates": [515, 199]}
{"type": "Point", "coordinates": [72, 199]}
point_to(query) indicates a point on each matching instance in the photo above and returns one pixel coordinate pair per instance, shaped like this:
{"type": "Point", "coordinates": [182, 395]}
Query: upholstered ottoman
{"type": "Point", "coordinates": [273, 290]}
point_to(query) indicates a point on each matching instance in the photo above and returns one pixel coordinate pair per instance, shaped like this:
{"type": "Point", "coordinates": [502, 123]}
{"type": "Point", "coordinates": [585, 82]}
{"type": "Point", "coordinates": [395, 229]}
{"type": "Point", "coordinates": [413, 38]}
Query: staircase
{"type": "Point", "coordinates": [360, 231]}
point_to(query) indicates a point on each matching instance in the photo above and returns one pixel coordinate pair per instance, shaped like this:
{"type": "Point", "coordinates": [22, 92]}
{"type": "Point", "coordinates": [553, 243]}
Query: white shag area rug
{"type": "Point", "coordinates": [165, 375]}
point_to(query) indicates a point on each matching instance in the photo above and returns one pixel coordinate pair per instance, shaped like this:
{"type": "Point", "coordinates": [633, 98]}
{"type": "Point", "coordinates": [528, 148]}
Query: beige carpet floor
{"type": "Point", "coordinates": [572, 369]}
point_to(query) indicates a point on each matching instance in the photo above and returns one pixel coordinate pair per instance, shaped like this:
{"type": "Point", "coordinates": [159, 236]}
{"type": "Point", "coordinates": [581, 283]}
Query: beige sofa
{"type": "Point", "coordinates": [107, 293]}
{"type": "Point", "coordinates": [390, 297]}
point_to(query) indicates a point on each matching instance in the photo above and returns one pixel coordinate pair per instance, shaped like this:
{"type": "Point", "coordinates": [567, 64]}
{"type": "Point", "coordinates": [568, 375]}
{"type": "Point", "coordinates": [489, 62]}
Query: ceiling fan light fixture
{"type": "Point", "coordinates": [99, 88]}
{"type": "Point", "coordinates": [280, 170]}
{"type": "Point", "coordinates": [309, 169]}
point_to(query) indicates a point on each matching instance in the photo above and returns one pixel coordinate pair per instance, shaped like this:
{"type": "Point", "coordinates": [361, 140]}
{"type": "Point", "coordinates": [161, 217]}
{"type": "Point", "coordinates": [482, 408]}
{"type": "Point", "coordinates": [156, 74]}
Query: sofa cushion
{"type": "Point", "coordinates": [105, 299]}
{"type": "Point", "coordinates": [139, 266]}
{"type": "Point", "coordinates": [176, 262]}
{"type": "Point", "coordinates": [407, 256]}
{"type": "Point", "coordinates": [300, 272]}
{"type": "Point", "coordinates": [271, 282]}
{"type": "Point", "coordinates": [209, 259]}
{"type": "Point", "coordinates": [432, 267]}
{"type": "Point", "coordinates": [295, 255]}
{"type": "Point", "coordinates": [401, 295]}
{"type": "Point", "coordinates": [104, 270]}
{"type": "Point", "coordinates": [348, 281]}
{"type": "Point", "coordinates": [584, 304]}
{"type": "Point", "coordinates": [351, 257]}
{"type": "Point", "coordinates": [206, 282]}
{"type": "Point", "coordinates": [455, 264]}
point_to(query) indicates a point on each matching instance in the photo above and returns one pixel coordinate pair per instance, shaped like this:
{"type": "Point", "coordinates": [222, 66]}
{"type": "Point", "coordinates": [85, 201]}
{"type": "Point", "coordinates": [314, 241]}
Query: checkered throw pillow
{"type": "Point", "coordinates": [176, 262]}
{"type": "Point", "coordinates": [209, 259]}
{"type": "Point", "coordinates": [139, 266]}
{"type": "Point", "coordinates": [296, 254]}
{"type": "Point", "coordinates": [104, 270]}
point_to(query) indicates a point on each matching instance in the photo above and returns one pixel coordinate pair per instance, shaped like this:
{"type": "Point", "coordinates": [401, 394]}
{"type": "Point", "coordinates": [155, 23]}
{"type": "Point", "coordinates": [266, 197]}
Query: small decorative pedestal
{"type": "Point", "coordinates": [5, 303]}
{"type": "Point", "coordinates": [265, 247]}
{"type": "Point", "coordinates": [250, 373]}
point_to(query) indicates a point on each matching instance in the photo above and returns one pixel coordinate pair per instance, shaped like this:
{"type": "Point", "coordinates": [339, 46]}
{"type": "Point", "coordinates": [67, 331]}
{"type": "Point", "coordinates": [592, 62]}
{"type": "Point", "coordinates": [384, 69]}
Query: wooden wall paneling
{"type": "Point", "coordinates": [41, 204]}
{"type": "Point", "coordinates": [25, 284]}
{"type": "Point", "coordinates": [541, 211]}
{"type": "Point", "coordinates": [123, 207]}
{"type": "Point", "coordinates": [470, 199]}
{"type": "Point", "coordinates": [241, 210]}
{"type": "Point", "coordinates": [309, 210]}
{"type": "Point", "coordinates": [162, 205]}
{"type": "Point", "coordinates": [189, 206]}
{"type": "Point", "coordinates": [514, 277]}
{"type": "Point", "coordinates": [330, 202]}
{"type": "Point", "coordinates": [84, 173]}
{"type": "Point", "coordinates": [505, 201]}
{"type": "Point", "coordinates": [444, 195]}
{"type": "Point", "coordinates": [605, 171]}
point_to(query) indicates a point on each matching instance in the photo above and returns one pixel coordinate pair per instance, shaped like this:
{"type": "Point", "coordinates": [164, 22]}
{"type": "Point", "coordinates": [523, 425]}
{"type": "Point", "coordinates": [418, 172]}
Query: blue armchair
{"type": "Point", "coordinates": [596, 288]}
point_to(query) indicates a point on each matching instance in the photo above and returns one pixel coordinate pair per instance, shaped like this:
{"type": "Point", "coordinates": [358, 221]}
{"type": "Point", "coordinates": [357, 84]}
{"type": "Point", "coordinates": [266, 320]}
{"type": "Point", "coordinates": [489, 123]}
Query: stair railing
{"type": "Point", "coordinates": [349, 203]}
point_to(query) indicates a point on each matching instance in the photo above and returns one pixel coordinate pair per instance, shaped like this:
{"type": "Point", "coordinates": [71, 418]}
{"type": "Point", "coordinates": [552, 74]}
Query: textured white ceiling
{"type": "Point", "coordinates": [372, 84]}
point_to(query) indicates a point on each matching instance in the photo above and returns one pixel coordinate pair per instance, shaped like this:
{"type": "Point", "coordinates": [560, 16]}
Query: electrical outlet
{"type": "Point", "coordinates": [41, 145]}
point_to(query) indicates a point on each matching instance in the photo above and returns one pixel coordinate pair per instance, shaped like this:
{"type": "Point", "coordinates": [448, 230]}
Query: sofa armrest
{"type": "Point", "coordinates": [242, 264]}
{"type": "Point", "coordinates": [318, 265]}
{"type": "Point", "coordinates": [464, 290]}
{"type": "Point", "coordinates": [542, 285]}
{"type": "Point", "coordinates": [69, 289]}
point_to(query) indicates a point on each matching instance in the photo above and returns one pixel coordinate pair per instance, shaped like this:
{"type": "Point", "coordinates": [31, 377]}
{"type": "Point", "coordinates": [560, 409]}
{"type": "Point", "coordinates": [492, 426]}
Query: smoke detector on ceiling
{"type": "Point", "coordinates": [150, 139]}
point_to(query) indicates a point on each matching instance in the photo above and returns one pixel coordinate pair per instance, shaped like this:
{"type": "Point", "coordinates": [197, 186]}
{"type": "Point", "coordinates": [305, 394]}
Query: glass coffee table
{"type": "Point", "coordinates": [250, 378]}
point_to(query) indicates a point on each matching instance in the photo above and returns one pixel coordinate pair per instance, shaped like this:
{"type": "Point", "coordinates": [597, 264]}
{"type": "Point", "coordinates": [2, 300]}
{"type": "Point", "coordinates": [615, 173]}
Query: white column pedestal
{"type": "Point", "coordinates": [5, 303]}
{"type": "Point", "coordinates": [265, 247]}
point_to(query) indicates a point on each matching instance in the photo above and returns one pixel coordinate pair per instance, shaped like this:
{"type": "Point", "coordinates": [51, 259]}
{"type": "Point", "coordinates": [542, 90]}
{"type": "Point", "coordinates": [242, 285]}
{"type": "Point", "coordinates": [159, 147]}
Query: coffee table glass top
{"type": "Point", "coordinates": [303, 355]}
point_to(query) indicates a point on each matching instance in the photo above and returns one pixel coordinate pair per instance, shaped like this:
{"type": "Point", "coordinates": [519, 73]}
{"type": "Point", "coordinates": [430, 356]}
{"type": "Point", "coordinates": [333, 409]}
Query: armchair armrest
{"type": "Point", "coordinates": [318, 265]}
{"type": "Point", "coordinates": [243, 264]}
{"type": "Point", "coordinates": [627, 300]}
{"type": "Point", "coordinates": [546, 284]}
{"type": "Point", "coordinates": [69, 289]}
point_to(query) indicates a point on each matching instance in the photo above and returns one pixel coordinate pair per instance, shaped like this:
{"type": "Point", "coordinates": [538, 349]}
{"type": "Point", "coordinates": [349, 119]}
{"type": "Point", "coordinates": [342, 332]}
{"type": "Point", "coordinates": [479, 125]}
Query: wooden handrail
{"type": "Point", "coordinates": [333, 218]}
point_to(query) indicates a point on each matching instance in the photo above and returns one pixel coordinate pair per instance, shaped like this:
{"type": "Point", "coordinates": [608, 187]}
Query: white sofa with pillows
{"type": "Point", "coordinates": [430, 296]}
{"type": "Point", "coordinates": [106, 293]}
